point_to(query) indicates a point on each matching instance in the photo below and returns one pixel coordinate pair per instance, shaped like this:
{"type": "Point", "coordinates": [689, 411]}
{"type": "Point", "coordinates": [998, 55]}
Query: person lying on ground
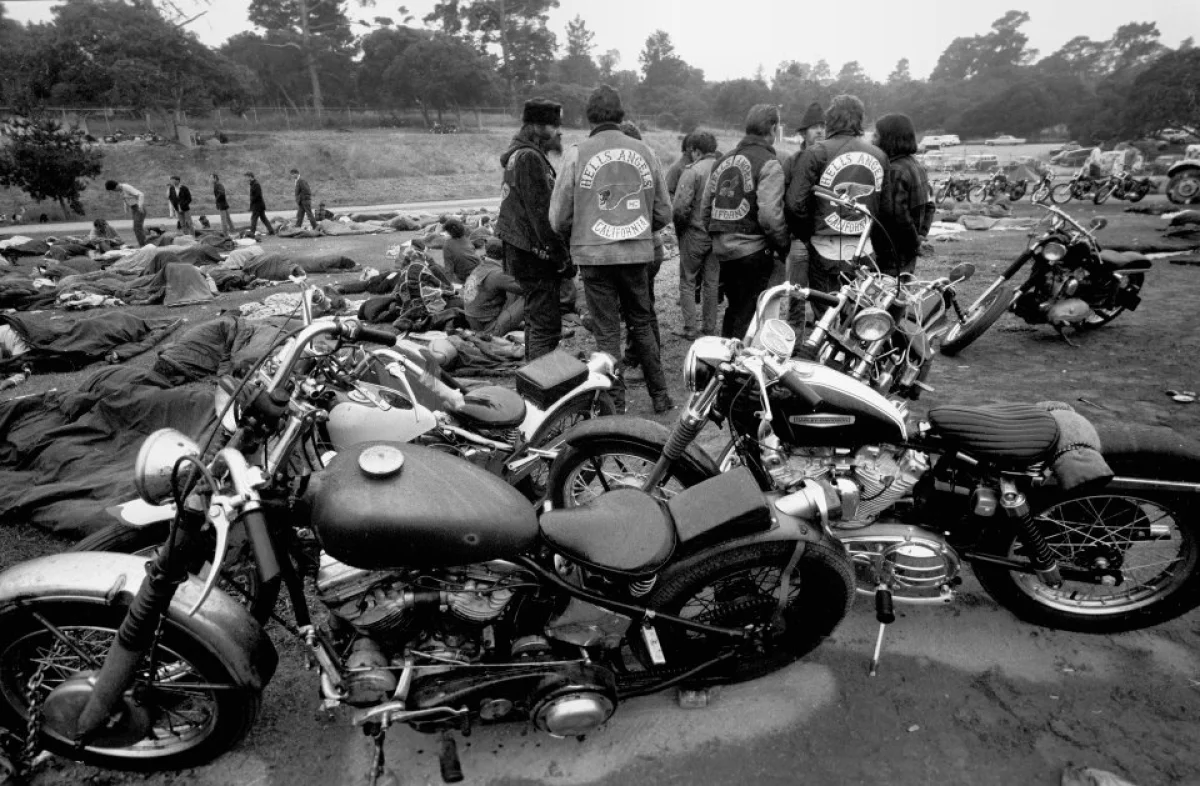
{"type": "Point", "coordinates": [490, 309]}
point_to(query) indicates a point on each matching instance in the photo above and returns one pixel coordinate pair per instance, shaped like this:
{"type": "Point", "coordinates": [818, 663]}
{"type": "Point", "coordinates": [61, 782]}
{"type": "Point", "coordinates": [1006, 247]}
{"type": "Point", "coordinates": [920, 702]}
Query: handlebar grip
{"type": "Point", "coordinates": [374, 335]}
{"type": "Point", "coordinates": [792, 381]}
{"type": "Point", "coordinates": [823, 297]}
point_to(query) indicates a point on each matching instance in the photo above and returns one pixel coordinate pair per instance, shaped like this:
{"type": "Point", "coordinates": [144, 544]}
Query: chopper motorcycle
{"type": "Point", "coordinates": [1124, 186]}
{"type": "Point", "coordinates": [450, 603]}
{"type": "Point", "coordinates": [1072, 282]}
{"type": "Point", "coordinates": [914, 500]}
{"type": "Point", "coordinates": [398, 393]}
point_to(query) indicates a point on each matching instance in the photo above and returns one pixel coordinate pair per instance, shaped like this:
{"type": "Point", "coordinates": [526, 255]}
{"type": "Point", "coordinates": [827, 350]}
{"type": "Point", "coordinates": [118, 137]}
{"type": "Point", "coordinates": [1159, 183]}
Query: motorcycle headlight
{"type": "Point", "coordinates": [1054, 252]}
{"type": "Point", "coordinates": [156, 461]}
{"type": "Point", "coordinates": [703, 356]}
{"type": "Point", "coordinates": [872, 324]}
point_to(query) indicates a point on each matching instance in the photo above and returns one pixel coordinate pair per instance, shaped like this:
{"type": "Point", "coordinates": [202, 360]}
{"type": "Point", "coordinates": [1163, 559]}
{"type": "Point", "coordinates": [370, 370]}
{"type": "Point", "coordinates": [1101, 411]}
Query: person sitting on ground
{"type": "Point", "coordinates": [325, 215]}
{"type": "Point", "coordinates": [486, 291]}
{"type": "Point", "coordinates": [103, 237]}
{"type": "Point", "coordinates": [458, 255]}
{"type": "Point", "coordinates": [481, 233]}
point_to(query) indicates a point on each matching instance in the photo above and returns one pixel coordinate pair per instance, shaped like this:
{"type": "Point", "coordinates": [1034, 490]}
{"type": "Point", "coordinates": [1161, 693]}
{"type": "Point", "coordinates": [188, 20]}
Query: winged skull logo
{"type": "Point", "coordinates": [853, 191]}
{"type": "Point", "coordinates": [614, 195]}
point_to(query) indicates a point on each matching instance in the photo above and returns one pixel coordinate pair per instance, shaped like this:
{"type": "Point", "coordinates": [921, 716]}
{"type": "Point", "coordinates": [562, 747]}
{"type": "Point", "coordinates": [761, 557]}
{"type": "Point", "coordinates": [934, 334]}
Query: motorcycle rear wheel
{"type": "Point", "coordinates": [611, 463]}
{"type": "Point", "coordinates": [982, 314]}
{"type": "Point", "coordinates": [741, 587]}
{"type": "Point", "coordinates": [1104, 315]}
{"type": "Point", "coordinates": [1061, 194]}
{"type": "Point", "coordinates": [1138, 193]}
{"type": "Point", "coordinates": [191, 726]}
{"type": "Point", "coordinates": [1101, 196]}
{"type": "Point", "coordinates": [1040, 194]}
{"type": "Point", "coordinates": [1161, 579]}
{"type": "Point", "coordinates": [585, 408]}
{"type": "Point", "coordinates": [942, 192]}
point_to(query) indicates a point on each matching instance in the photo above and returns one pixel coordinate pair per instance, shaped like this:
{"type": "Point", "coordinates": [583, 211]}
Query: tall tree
{"type": "Point", "coordinates": [578, 67]}
{"type": "Point", "coordinates": [1001, 49]}
{"type": "Point", "coordinates": [900, 74]}
{"type": "Point", "coordinates": [1166, 94]}
{"type": "Point", "coordinates": [319, 29]}
{"type": "Point", "coordinates": [608, 64]}
{"type": "Point", "coordinates": [666, 78]}
{"type": "Point", "coordinates": [47, 161]}
{"type": "Point", "coordinates": [441, 73]}
{"type": "Point", "coordinates": [518, 27]}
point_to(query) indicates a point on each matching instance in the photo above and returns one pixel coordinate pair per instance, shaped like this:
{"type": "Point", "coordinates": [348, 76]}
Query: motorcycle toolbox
{"type": "Point", "coordinates": [427, 509]}
{"type": "Point", "coordinates": [547, 379]}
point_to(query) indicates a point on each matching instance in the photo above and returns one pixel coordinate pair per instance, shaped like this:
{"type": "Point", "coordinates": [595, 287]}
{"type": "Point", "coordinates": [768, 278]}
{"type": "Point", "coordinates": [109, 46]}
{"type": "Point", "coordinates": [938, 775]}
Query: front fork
{"type": "Point", "coordinates": [686, 429]}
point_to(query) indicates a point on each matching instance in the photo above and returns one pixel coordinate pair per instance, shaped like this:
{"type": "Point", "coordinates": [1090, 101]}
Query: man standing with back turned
{"type": "Point", "coordinates": [743, 208]}
{"type": "Point", "coordinates": [303, 201]}
{"type": "Point", "coordinates": [610, 200]}
{"type": "Point", "coordinates": [534, 254]}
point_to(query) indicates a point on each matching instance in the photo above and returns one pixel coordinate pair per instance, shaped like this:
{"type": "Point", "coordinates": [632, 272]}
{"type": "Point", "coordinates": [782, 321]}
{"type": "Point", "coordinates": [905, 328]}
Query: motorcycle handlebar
{"type": "Point", "coordinates": [375, 335]}
{"type": "Point", "coordinates": [823, 297]}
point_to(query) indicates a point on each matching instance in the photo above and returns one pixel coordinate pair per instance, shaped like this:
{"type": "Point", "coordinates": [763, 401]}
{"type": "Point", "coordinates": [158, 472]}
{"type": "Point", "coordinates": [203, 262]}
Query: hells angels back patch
{"type": "Point", "coordinates": [619, 178]}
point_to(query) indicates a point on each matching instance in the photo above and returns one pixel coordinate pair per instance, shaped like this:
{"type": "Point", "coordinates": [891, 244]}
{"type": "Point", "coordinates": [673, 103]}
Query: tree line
{"type": "Point", "coordinates": [470, 53]}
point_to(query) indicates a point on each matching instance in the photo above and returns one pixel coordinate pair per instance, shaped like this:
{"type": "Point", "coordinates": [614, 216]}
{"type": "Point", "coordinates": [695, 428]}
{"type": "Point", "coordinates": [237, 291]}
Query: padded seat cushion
{"type": "Point", "coordinates": [492, 406]}
{"type": "Point", "coordinates": [1119, 260]}
{"type": "Point", "coordinates": [1004, 433]}
{"type": "Point", "coordinates": [624, 531]}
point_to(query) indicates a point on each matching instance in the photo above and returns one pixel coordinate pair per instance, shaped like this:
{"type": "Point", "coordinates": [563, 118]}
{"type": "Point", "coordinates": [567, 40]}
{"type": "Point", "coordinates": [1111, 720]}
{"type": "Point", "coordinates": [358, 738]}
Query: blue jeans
{"type": "Point", "coordinates": [696, 259]}
{"type": "Point", "coordinates": [613, 290]}
{"type": "Point", "coordinates": [543, 319]}
{"type": "Point", "coordinates": [744, 280]}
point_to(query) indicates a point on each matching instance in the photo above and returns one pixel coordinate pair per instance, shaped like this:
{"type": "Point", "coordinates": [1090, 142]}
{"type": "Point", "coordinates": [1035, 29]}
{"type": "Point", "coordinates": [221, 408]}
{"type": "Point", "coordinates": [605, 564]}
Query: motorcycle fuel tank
{"type": "Point", "coordinates": [850, 413]}
{"type": "Point", "coordinates": [356, 419]}
{"type": "Point", "coordinates": [383, 505]}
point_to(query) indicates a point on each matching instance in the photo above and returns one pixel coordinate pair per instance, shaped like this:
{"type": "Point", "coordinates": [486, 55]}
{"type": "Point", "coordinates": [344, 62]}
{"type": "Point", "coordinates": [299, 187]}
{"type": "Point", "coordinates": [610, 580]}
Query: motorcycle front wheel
{"type": "Point", "coordinates": [982, 314]}
{"type": "Point", "coordinates": [740, 588]}
{"type": "Point", "coordinates": [1101, 196]}
{"type": "Point", "coordinates": [1061, 194]}
{"type": "Point", "coordinates": [976, 194]}
{"type": "Point", "coordinates": [1039, 194]}
{"type": "Point", "coordinates": [610, 463]}
{"type": "Point", "coordinates": [1148, 540]}
{"type": "Point", "coordinates": [195, 710]}
{"type": "Point", "coordinates": [942, 192]}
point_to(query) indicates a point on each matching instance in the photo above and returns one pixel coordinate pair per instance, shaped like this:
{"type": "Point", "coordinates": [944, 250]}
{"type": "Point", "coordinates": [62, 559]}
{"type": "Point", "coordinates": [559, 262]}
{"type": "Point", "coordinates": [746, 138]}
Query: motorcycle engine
{"type": "Point", "coordinates": [381, 603]}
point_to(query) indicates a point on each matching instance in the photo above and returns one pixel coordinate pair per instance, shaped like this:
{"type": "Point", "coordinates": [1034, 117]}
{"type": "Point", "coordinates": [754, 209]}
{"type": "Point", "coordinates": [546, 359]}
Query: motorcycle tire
{"type": "Point", "coordinates": [1080, 528]}
{"type": "Point", "coordinates": [1040, 194]}
{"type": "Point", "coordinates": [239, 580]}
{"type": "Point", "coordinates": [982, 314]}
{"type": "Point", "coordinates": [1061, 194]}
{"type": "Point", "coordinates": [1184, 187]}
{"type": "Point", "coordinates": [600, 465]}
{"type": "Point", "coordinates": [977, 194]}
{"type": "Point", "coordinates": [740, 587]}
{"type": "Point", "coordinates": [91, 626]}
{"type": "Point", "coordinates": [1101, 196]}
{"type": "Point", "coordinates": [942, 192]}
{"type": "Point", "coordinates": [1016, 192]}
{"type": "Point", "coordinates": [534, 486]}
{"type": "Point", "coordinates": [1102, 316]}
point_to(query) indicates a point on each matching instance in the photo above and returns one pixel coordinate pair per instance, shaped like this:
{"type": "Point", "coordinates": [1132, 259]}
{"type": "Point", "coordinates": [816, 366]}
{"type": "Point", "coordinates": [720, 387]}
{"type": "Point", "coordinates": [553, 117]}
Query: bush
{"type": "Point", "coordinates": [667, 121]}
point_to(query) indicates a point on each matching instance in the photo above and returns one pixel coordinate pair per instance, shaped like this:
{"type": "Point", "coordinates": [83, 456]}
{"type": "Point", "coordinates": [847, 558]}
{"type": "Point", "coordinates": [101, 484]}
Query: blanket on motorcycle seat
{"type": "Point", "coordinates": [66, 456]}
{"type": "Point", "coordinates": [1077, 459]}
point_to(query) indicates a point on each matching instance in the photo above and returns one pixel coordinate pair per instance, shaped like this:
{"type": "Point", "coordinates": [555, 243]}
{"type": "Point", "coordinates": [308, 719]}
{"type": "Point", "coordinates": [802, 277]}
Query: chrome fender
{"type": "Point", "coordinates": [535, 418]}
{"type": "Point", "coordinates": [107, 579]}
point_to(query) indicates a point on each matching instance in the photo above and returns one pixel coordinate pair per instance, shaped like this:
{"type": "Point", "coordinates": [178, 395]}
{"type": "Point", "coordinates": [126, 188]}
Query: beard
{"type": "Point", "coordinates": [553, 144]}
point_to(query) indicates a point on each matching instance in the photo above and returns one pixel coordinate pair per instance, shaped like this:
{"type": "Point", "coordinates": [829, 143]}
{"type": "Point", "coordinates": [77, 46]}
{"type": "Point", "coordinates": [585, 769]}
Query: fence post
{"type": "Point", "coordinates": [254, 109]}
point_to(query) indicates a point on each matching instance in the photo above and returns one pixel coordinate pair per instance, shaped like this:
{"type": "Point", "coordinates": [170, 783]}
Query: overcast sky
{"type": "Point", "coordinates": [730, 39]}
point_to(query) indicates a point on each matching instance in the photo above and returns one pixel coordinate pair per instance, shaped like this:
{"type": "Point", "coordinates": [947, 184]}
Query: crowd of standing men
{"type": "Point", "coordinates": [735, 214]}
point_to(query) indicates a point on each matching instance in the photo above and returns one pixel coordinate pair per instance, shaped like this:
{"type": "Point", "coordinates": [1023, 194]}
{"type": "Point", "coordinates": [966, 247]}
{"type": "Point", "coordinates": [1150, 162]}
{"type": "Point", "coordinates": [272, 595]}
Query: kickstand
{"type": "Point", "coordinates": [886, 614]}
{"type": "Point", "coordinates": [1063, 333]}
{"type": "Point", "coordinates": [379, 775]}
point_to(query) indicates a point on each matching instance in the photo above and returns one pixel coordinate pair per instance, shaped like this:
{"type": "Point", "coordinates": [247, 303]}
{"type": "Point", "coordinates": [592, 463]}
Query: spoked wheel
{"type": "Point", "coordinates": [187, 713]}
{"type": "Point", "coordinates": [1061, 194]}
{"type": "Point", "coordinates": [603, 465]}
{"type": "Point", "coordinates": [982, 314]}
{"type": "Point", "coordinates": [1102, 195]}
{"type": "Point", "coordinates": [976, 194]}
{"type": "Point", "coordinates": [550, 434]}
{"type": "Point", "coordinates": [942, 192]}
{"type": "Point", "coordinates": [741, 588]}
{"type": "Point", "coordinates": [1148, 544]}
{"type": "Point", "coordinates": [1103, 314]}
{"type": "Point", "coordinates": [1040, 194]}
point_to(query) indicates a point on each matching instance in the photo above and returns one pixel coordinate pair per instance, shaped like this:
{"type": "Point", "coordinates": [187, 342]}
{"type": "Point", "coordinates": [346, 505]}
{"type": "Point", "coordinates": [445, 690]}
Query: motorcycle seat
{"type": "Point", "coordinates": [624, 531]}
{"type": "Point", "coordinates": [1125, 260]}
{"type": "Point", "coordinates": [492, 406]}
{"type": "Point", "coordinates": [1005, 434]}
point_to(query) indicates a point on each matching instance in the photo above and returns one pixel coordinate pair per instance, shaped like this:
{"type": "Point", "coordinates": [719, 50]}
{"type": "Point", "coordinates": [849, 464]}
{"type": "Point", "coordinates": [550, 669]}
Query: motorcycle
{"type": "Point", "coordinates": [1080, 187]}
{"type": "Point", "coordinates": [957, 187]}
{"type": "Point", "coordinates": [1124, 186]}
{"type": "Point", "coordinates": [1041, 191]}
{"type": "Point", "coordinates": [399, 393]}
{"type": "Point", "coordinates": [879, 330]}
{"type": "Point", "coordinates": [1072, 282]}
{"type": "Point", "coordinates": [998, 184]}
{"type": "Point", "coordinates": [916, 499]}
{"type": "Point", "coordinates": [450, 603]}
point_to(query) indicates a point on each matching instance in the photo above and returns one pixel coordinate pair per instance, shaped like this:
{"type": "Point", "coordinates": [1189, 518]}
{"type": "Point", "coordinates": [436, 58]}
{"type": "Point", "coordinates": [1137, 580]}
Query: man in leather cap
{"type": "Point", "coordinates": [534, 254]}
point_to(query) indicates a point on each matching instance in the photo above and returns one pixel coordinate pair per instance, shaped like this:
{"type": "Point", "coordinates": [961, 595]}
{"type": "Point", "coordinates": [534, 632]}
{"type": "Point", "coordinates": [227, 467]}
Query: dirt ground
{"type": "Point", "coordinates": [966, 694]}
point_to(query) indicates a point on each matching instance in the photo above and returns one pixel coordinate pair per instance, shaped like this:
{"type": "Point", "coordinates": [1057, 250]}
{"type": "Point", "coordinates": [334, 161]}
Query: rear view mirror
{"type": "Point", "coordinates": [962, 271]}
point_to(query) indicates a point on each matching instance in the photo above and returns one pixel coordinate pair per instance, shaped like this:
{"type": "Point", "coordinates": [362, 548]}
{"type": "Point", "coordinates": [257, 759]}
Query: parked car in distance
{"type": "Point", "coordinates": [1068, 147]}
{"type": "Point", "coordinates": [1072, 157]}
{"type": "Point", "coordinates": [1175, 136]}
{"type": "Point", "coordinates": [1004, 139]}
{"type": "Point", "coordinates": [937, 142]}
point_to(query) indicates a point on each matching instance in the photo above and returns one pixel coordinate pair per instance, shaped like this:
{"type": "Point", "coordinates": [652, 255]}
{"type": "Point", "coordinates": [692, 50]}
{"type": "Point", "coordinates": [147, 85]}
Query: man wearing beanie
{"type": "Point", "coordinates": [534, 254]}
{"type": "Point", "coordinates": [812, 126]}
{"type": "Point", "coordinates": [743, 210]}
{"type": "Point", "coordinates": [610, 200]}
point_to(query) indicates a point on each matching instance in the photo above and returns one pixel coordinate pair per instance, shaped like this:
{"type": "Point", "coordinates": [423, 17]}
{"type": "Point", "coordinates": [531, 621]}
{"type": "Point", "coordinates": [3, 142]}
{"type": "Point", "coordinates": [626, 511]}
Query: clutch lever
{"type": "Point", "coordinates": [756, 366]}
{"type": "Point", "coordinates": [218, 515]}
